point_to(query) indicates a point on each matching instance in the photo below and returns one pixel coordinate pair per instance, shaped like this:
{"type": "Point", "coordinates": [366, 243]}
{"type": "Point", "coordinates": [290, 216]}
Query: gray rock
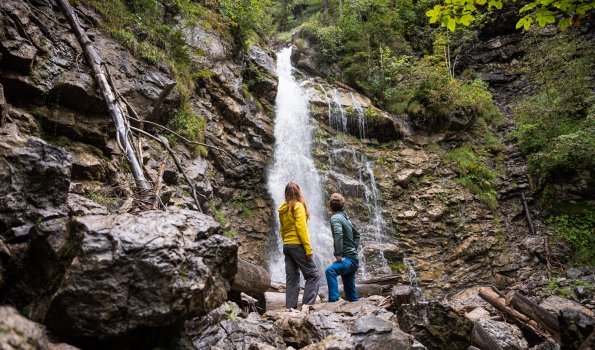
{"type": "Point", "coordinates": [574, 273]}
{"type": "Point", "coordinates": [151, 270]}
{"type": "Point", "coordinates": [555, 304]}
{"type": "Point", "coordinates": [226, 329]}
{"type": "Point", "coordinates": [34, 181]}
{"type": "Point", "coordinates": [82, 206]}
{"type": "Point", "coordinates": [435, 325]}
{"type": "Point", "coordinates": [19, 333]}
{"type": "Point", "coordinates": [506, 335]}
{"type": "Point", "coordinates": [575, 328]}
{"type": "Point", "coordinates": [263, 60]}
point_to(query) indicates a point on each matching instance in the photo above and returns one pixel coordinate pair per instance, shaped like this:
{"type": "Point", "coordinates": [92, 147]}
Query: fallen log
{"type": "Point", "coordinates": [276, 301]}
{"type": "Point", "coordinates": [499, 302]}
{"type": "Point", "coordinates": [537, 313]}
{"type": "Point", "coordinates": [108, 95]}
{"type": "Point", "coordinates": [363, 290]}
{"type": "Point", "coordinates": [386, 280]}
{"type": "Point", "coordinates": [251, 279]}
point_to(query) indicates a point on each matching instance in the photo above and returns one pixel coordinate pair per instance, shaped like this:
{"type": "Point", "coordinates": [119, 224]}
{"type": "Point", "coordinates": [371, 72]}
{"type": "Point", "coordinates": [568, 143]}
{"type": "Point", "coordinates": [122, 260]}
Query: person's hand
{"type": "Point", "coordinates": [309, 257]}
{"type": "Point", "coordinates": [339, 258]}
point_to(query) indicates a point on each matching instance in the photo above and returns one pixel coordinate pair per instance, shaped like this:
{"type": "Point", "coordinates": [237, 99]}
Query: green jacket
{"type": "Point", "coordinates": [345, 235]}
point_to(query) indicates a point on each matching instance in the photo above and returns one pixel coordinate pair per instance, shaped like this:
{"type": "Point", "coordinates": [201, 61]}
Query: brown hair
{"type": "Point", "coordinates": [293, 194]}
{"type": "Point", "coordinates": [337, 202]}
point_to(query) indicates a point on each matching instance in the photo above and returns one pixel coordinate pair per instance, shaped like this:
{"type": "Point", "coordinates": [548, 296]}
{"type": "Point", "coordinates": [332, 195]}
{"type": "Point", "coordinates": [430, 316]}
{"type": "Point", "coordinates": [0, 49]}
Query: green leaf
{"type": "Point", "coordinates": [545, 17]}
{"type": "Point", "coordinates": [470, 7]}
{"type": "Point", "coordinates": [452, 24]}
{"type": "Point", "coordinates": [466, 20]}
{"type": "Point", "coordinates": [481, 2]}
{"type": "Point", "coordinates": [582, 9]}
{"type": "Point", "coordinates": [563, 24]}
{"type": "Point", "coordinates": [528, 7]}
{"type": "Point", "coordinates": [495, 3]}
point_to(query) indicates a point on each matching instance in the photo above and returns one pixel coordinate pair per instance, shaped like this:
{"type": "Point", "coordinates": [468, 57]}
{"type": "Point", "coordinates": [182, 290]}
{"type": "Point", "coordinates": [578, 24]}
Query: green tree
{"type": "Point", "coordinates": [543, 12]}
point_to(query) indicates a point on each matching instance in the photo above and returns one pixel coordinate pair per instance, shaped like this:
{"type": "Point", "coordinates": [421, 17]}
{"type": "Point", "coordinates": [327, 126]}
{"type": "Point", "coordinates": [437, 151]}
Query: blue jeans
{"type": "Point", "coordinates": [346, 269]}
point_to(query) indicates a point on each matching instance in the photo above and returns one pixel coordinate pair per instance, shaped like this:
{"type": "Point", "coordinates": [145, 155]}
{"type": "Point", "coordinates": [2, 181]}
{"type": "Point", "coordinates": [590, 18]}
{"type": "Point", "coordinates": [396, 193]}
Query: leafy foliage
{"type": "Point", "coordinates": [543, 12]}
{"type": "Point", "coordinates": [474, 174]}
{"type": "Point", "coordinates": [556, 127]}
{"type": "Point", "coordinates": [579, 232]}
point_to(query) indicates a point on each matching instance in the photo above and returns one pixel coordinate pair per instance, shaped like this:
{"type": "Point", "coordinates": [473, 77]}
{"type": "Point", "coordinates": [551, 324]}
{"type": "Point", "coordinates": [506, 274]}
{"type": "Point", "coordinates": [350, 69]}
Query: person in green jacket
{"type": "Point", "coordinates": [346, 242]}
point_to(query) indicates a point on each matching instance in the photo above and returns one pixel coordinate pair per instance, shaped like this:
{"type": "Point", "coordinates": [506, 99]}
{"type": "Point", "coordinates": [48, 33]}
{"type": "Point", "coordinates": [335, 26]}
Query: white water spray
{"type": "Point", "coordinates": [293, 161]}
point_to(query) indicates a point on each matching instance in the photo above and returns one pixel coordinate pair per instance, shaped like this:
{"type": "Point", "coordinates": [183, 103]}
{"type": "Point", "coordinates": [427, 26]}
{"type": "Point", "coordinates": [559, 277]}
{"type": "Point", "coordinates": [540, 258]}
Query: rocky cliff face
{"type": "Point", "coordinates": [75, 255]}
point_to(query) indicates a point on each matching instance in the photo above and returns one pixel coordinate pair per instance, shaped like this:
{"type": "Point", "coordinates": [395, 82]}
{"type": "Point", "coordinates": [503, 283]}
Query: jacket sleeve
{"type": "Point", "coordinates": [301, 226]}
{"type": "Point", "coordinates": [337, 228]}
{"type": "Point", "coordinates": [356, 237]}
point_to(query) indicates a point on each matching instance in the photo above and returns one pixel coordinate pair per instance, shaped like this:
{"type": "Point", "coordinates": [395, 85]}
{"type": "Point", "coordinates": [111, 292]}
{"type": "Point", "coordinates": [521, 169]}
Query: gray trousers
{"type": "Point", "coordinates": [296, 261]}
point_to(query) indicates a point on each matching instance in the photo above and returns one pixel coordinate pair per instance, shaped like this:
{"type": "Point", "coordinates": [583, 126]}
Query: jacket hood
{"type": "Point", "coordinates": [283, 208]}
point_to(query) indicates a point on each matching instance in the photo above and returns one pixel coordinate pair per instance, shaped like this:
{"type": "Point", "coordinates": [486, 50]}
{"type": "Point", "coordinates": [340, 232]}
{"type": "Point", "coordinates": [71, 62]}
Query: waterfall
{"type": "Point", "coordinates": [339, 117]}
{"type": "Point", "coordinates": [361, 117]}
{"type": "Point", "coordinates": [292, 160]}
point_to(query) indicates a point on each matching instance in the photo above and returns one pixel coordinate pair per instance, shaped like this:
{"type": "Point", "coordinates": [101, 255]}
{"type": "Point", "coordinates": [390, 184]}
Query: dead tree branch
{"type": "Point", "coordinates": [163, 141]}
{"type": "Point", "coordinates": [108, 95]}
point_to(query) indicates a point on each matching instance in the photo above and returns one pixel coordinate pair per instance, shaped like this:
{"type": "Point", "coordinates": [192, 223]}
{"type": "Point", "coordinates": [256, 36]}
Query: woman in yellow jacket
{"type": "Point", "coordinates": [293, 215]}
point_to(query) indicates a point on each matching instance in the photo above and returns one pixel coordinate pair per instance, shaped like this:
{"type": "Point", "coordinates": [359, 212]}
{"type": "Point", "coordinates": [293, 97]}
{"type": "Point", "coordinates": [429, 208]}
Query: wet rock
{"type": "Point", "coordinates": [435, 325]}
{"type": "Point", "coordinates": [575, 328]}
{"type": "Point", "coordinates": [87, 162]}
{"type": "Point", "coordinates": [334, 342]}
{"type": "Point", "coordinates": [507, 336]}
{"type": "Point", "coordinates": [574, 273]}
{"type": "Point", "coordinates": [156, 268]}
{"type": "Point", "coordinates": [77, 90]}
{"type": "Point", "coordinates": [34, 181]}
{"type": "Point", "coordinates": [18, 53]}
{"type": "Point", "coordinates": [225, 328]}
{"type": "Point", "coordinates": [3, 110]}
{"type": "Point", "coordinates": [262, 59]}
{"type": "Point", "coordinates": [404, 176]}
{"type": "Point", "coordinates": [477, 314]}
{"type": "Point", "coordinates": [19, 333]}
{"type": "Point", "coordinates": [555, 304]}
{"type": "Point", "coordinates": [362, 325]}
{"type": "Point", "coordinates": [82, 206]}
{"type": "Point", "coordinates": [402, 294]}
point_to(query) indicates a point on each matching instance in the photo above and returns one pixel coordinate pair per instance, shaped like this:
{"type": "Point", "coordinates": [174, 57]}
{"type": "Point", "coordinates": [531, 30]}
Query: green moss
{"type": "Point", "coordinates": [579, 232]}
{"type": "Point", "coordinates": [230, 234]}
{"type": "Point", "coordinates": [189, 125]}
{"type": "Point", "coordinates": [474, 174]}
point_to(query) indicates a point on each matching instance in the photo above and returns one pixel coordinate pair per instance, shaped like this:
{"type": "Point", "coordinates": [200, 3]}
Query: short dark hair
{"type": "Point", "coordinates": [337, 202]}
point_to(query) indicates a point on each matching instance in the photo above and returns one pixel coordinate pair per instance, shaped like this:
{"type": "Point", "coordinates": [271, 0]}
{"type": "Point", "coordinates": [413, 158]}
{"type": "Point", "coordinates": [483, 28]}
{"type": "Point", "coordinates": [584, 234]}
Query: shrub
{"type": "Point", "coordinates": [474, 174]}
{"type": "Point", "coordinates": [556, 126]}
{"type": "Point", "coordinates": [579, 232]}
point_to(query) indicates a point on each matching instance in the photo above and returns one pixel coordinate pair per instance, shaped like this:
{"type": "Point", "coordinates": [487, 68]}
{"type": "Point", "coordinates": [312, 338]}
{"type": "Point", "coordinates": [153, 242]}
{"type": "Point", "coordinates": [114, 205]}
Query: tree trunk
{"type": "Point", "coordinates": [535, 312]}
{"type": "Point", "coordinates": [387, 280]}
{"type": "Point", "coordinates": [251, 279]}
{"type": "Point", "coordinates": [109, 96]}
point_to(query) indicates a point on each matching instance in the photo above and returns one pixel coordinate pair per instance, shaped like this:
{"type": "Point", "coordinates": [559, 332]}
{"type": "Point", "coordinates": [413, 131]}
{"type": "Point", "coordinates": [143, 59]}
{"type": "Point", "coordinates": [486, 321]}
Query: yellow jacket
{"type": "Point", "coordinates": [294, 229]}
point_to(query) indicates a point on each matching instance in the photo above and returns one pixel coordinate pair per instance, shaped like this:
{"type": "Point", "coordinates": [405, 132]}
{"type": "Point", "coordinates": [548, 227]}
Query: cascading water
{"type": "Point", "coordinates": [293, 161]}
{"type": "Point", "coordinates": [361, 117]}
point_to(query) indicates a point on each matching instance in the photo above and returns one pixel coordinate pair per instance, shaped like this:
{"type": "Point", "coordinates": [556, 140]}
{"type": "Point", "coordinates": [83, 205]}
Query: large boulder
{"type": "Point", "coordinates": [34, 183]}
{"type": "Point", "coordinates": [151, 270]}
{"type": "Point", "coordinates": [435, 325]}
